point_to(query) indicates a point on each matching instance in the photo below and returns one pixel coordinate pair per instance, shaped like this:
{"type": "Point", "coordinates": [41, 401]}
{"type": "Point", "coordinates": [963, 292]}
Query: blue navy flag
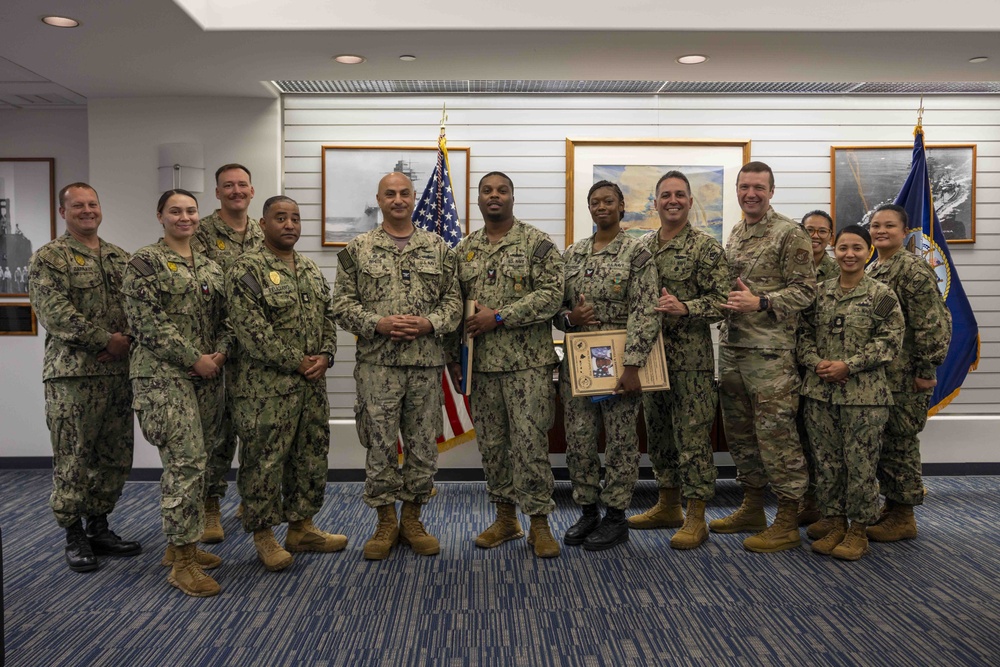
{"type": "Point", "coordinates": [436, 211]}
{"type": "Point", "coordinates": [963, 352]}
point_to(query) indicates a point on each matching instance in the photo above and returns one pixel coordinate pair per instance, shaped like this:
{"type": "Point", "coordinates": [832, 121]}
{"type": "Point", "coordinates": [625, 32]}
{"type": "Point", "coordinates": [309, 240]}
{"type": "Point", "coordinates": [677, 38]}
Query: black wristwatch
{"type": "Point", "coordinates": [765, 303]}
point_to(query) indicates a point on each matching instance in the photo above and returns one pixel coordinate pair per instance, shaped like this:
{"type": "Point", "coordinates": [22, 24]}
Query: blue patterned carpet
{"type": "Point", "coordinates": [932, 601]}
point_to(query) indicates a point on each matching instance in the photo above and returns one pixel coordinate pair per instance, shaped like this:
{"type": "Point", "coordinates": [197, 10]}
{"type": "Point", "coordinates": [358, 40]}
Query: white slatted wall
{"type": "Point", "coordinates": [524, 136]}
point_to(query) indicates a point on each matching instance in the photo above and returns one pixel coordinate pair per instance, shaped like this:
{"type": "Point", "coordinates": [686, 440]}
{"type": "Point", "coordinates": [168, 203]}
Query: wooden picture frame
{"type": "Point", "coordinates": [350, 179]}
{"type": "Point", "coordinates": [862, 178]}
{"type": "Point", "coordinates": [636, 164]}
{"type": "Point", "coordinates": [17, 319]}
{"type": "Point", "coordinates": [595, 363]}
{"type": "Point", "coordinates": [27, 217]}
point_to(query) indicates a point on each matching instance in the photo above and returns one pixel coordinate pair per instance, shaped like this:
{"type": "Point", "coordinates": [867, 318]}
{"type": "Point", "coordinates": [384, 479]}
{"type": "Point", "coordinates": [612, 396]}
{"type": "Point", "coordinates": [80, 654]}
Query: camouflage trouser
{"type": "Point", "coordinates": [845, 443]}
{"type": "Point", "coordinates": [807, 448]}
{"type": "Point", "coordinates": [90, 426]}
{"type": "Point", "coordinates": [178, 416]}
{"type": "Point", "coordinates": [759, 393]}
{"type": "Point", "coordinates": [284, 442]}
{"type": "Point", "coordinates": [223, 449]}
{"type": "Point", "coordinates": [583, 419]}
{"type": "Point", "coordinates": [899, 460]}
{"type": "Point", "coordinates": [513, 412]}
{"type": "Point", "coordinates": [394, 401]}
{"type": "Point", "coordinates": [679, 433]}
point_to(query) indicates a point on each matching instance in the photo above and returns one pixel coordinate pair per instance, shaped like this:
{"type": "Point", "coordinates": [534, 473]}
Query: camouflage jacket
{"type": "Point", "coordinates": [619, 281]}
{"type": "Point", "coordinates": [76, 294]}
{"type": "Point", "coordinates": [375, 279]}
{"type": "Point", "coordinates": [827, 268]}
{"type": "Point", "coordinates": [774, 259]}
{"type": "Point", "coordinates": [863, 328]}
{"type": "Point", "coordinates": [693, 267]}
{"type": "Point", "coordinates": [279, 316]}
{"type": "Point", "coordinates": [221, 244]}
{"type": "Point", "coordinates": [928, 321]}
{"type": "Point", "coordinates": [522, 277]}
{"type": "Point", "coordinates": [176, 311]}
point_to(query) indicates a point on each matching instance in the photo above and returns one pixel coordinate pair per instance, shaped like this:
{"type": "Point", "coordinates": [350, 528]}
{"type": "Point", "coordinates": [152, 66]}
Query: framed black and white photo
{"type": "Point", "coordinates": [27, 217]}
{"type": "Point", "coordinates": [17, 319]}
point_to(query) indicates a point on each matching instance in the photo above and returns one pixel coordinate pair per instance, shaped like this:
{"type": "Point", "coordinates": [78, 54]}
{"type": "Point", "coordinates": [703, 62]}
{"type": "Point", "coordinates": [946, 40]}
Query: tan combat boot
{"type": "Point", "coordinates": [412, 532]}
{"type": "Point", "coordinates": [666, 513]}
{"type": "Point", "coordinates": [269, 551]}
{"type": "Point", "coordinates": [206, 560]}
{"type": "Point", "coordinates": [897, 524]}
{"type": "Point", "coordinates": [783, 533]}
{"type": "Point", "coordinates": [239, 511]}
{"type": "Point", "coordinates": [187, 575]}
{"type": "Point", "coordinates": [305, 536]}
{"type": "Point", "coordinates": [213, 532]}
{"type": "Point", "coordinates": [822, 528]}
{"type": "Point", "coordinates": [695, 530]}
{"type": "Point", "coordinates": [748, 518]}
{"type": "Point", "coordinates": [506, 527]}
{"type": "Point", "coordinates": [540, 537]}
{"type": "Point", "coordinates": [386, 534]}
{"type": "Point", "coordinates": [808, 512]}
{"type": "Point", "coordinates": [828, 542]}
{"type": "Point", "coordinates": [855, 544]}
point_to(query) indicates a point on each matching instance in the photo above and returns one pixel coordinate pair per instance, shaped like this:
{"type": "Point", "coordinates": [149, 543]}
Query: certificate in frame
{"type": "Point", "coordinates": [595, 363]}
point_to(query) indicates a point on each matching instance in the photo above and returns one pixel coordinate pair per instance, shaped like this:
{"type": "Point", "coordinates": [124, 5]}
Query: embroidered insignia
{"type": "Point", "coordinates": [491, 275]}
{"type": "Point", "coordinates": [171, 266]}
{"type": "Point", "coordinates": [144, 268]}
{"type": "Point", "coordinates": [517, 287]}
{"type": "Point", "coordinates": [588, 272]}
{"type": "Point", "coordinates": [220, 244]}
{"type": "Point", "coordinates": [204, 289]}
{"type": "Point", "coordinates": [469, 256]}
{"type": "Point", "coordinates": [275, 277]}
{"type": "Point", "coordinates": [406, 275]}
{"type": "Point", "coordinates": [79, 259]}
{"type": "Point", "coordinates": [641, 259]}
{"type": "Point", "coordinates": [346, 261]}
{"type": "Point", "coordinates": [802, 256]}
{"type": "Point", "coordinates": [251, 284]}
{"type": "Point", "coordinates": [884, 306]}
{"type": "Point", "coordinates": [543, 249]}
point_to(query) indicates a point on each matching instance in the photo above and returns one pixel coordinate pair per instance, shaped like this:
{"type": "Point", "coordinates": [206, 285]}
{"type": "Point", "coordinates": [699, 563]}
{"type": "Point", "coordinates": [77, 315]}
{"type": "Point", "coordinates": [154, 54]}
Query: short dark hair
{"type": "Point", "coordinates": [822, 214]}
{"type": "Point", "coordinates": [497, 173]}
{"type": "Point", "coordinates": [271, 201]}
{"type": "Point", "coordinates": [673, 173]}
{"type": "Point", "coordinates": [857, 230]}
{"type": "Point", "coordinates": [606, 184]}
{"type": "Point", "coordinates": [758, 168]}
{"type": "Point", "coordinates": [170, 193]}
{"type": "Point", "coordinates": [78, 184]}
{"type": "Point", "coordinates": [895, 208]}
{"type": "Point", "coordinates": [232, 165]}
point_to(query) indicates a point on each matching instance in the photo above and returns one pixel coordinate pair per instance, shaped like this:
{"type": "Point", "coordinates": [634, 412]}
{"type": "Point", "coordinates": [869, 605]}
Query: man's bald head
{"type": "Point", "coordinates": [396, 199]}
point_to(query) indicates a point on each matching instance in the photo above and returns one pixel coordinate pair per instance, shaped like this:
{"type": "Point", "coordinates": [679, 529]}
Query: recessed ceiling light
{"type": "Point", "coordinates": [347, 59]}
{"type": "Point", "coordinates": [978, 59]}
{"type": "Point", "coordinates": [60, 21]}
{"type": "Point", "coordinates": [407, 58]}
{"type": "Point", "coordinates": [692, 59]}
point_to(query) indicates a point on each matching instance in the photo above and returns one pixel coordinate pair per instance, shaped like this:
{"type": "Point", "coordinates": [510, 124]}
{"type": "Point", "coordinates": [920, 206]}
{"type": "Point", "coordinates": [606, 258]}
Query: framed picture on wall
{"type": "Point", "coordinates": [637, 164]}
{"type": "Point", "coordinates": [862, 178]}
{"type": "Point", "coordinates": [27, 217]}
{"type": "Point", "coordinates": [17, 319]}
{"type": "Point", "coordinates": [350, 181]}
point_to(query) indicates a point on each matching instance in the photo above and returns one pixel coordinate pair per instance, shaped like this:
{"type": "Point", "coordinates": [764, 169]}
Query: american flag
{"type": "Point", "coordinates": [437, 212]}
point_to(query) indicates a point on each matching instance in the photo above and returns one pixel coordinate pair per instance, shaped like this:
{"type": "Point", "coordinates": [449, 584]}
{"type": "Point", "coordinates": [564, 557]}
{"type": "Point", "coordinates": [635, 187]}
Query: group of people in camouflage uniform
{"type": "Point", "coordinates": [222, 330]}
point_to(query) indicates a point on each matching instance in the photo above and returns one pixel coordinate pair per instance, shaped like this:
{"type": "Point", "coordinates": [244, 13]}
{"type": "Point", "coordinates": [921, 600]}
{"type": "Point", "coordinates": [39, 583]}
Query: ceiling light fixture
{"type": "Point", "coordinates": [60, 21]}
{"type": "Point", "coordinates": [348, 59]}
{"type": "Point", "coordinates": [407, 58]}
{"type": "Point", "coordinates": [978, 59]}
{"type": "Point", "coordinates": [692, 59]}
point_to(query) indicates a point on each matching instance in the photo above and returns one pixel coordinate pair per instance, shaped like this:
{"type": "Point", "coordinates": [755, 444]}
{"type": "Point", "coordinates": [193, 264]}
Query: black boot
{"type": "Point", "coordinates": [584, 526]}
{"type": "Point", "coordinates": [613, 530]}
{"type": "Point", "coordinates": [79, 556]}
{"type": "Point", "coordinates": [105, 543]}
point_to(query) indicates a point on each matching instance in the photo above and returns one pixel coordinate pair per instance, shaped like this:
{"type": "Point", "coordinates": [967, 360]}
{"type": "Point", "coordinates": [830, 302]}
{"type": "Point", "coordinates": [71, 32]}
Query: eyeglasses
{"type": "Point", "coordinates": [816, 231]}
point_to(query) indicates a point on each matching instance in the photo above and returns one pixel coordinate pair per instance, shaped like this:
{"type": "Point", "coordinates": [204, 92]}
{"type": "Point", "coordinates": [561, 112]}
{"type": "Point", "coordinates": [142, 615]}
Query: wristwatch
{"type": "Point", "coordinates": [499, 318]}
{"type": "Point", "coordinates": [765, 303]}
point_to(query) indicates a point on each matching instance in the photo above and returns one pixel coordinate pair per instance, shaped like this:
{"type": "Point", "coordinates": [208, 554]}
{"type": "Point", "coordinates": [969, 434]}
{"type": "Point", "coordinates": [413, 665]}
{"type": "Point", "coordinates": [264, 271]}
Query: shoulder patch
{"type": "Point", "coordinates": [345, 260]}
{"type": "Point", "coordinates": [641, 258]}
{"type": "Point", "coordinates": [543, 248]}
{"type": "Point", "coordinates": [251, 284]}
{"type": "Point", "coordinates": [713, 255]}
{"type": "Point", "coordinates": [885, 305]}
{"type": "Point", "coordinates": [144, 268]}
{"type": "Point", "coordinates": [802, 256]}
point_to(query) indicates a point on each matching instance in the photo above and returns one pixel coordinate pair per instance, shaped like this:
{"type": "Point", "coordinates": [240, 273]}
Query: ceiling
{"type": "Point", "coordinates": [128, 48]}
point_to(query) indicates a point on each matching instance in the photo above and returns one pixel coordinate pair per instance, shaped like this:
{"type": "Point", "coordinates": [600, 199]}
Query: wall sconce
{"type": "Point", "coordinates": [182, 166]}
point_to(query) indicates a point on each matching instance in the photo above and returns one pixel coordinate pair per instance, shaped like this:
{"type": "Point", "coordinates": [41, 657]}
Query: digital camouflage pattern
{"type": "Point", "coordinates": [375, 279]}
{"type": "Point", "coordinates": [280, 315]}
{"type": "Point", "coordinates": [76, 296]}
{"type": "Point", "coordinates": [925, 345]}
{"type": "Point", "coordinates": [620, 282]}
{"type": "Point", "coordinates": [393, 401]}
{"type": "Point", "coordinates": [826, 269]}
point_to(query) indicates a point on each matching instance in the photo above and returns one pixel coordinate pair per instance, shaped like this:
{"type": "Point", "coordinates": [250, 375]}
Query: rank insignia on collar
{"type": "Point", "coordinates": [220, 244]}
{"type": "Point", "coordinates": [79, 259]}
{"type": "Point", "coordinates": [275, 277]}
{"type": "Point", "coordinates": [171, 266]}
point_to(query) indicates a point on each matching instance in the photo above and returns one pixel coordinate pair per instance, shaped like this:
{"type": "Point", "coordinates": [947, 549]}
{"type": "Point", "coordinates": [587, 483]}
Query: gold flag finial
{"type": "Point", "coordinates": [920, 112]}
{"type": "Point", "coordinates": [444, 115]}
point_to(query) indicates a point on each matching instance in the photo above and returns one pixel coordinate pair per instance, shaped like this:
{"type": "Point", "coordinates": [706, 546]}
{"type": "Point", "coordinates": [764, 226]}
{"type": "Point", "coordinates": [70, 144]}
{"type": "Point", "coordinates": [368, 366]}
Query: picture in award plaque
{"type": "Point", "coordinates": [595, 363]}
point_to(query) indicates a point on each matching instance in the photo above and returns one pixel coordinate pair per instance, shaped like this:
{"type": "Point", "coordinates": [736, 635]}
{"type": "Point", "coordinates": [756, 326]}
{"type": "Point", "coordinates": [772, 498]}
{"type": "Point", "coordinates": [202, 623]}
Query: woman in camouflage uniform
{"type": "Point", "coordinates": [174, 301]}
{"type": "Point", "coordinates": [846, 340]}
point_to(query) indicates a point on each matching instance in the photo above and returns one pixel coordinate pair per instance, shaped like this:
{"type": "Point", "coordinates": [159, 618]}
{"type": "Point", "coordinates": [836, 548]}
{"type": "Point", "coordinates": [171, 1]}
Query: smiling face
{"type": "Point", "coordinates": [234, 191]}
{"type": "Point", "coordinates": [673, 202]}
{"type": "Point", "coordinates": [82, 212]}
{"type": "Point", "coordinates": [851, 253]}
{"type": "Point", "coordinates": [179, 217]}
{"type": "Point", "coordinates": [888, 232]}
{"type": "Point", "coordinates": [606, 208]}
{"type": "Point", "coordinates": [396, 199]}
{"type": "Point", "coordinates": [281, 226]}
{"type": "Point", "coordinates": [496, 199]}
{"type": "Point", "coordinates": [754, 192]}
{"type": "Point", "coordinates": [820, 232]}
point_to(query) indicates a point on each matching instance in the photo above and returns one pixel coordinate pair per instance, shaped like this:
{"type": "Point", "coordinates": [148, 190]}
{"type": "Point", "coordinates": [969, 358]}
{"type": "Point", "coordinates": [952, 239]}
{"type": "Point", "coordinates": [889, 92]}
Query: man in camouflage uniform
{"type": "Point", "coordinates": [396, 291]}
{"type": "Point", "coordinates": [224, 236]}
{"type": "Point", "coordinates": [912, 375]}
{"type": "Point", "coordinates": [693, 281]}
{"type": "Point", "coordinates": [279, 306]}
{"type": "Point", "coordinates": [771, 261]}
{"type": "Point", "coordinates": [75, 287]}
{"type": "Point", "coordinates": [514, 273]}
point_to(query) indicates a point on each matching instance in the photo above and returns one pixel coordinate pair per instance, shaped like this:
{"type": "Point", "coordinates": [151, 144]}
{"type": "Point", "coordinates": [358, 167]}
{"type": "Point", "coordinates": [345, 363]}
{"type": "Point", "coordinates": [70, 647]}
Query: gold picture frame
{"type": "Point", "coordinates": [594, 360]}
{"type": "Point", "coordinates": [17, 319]}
